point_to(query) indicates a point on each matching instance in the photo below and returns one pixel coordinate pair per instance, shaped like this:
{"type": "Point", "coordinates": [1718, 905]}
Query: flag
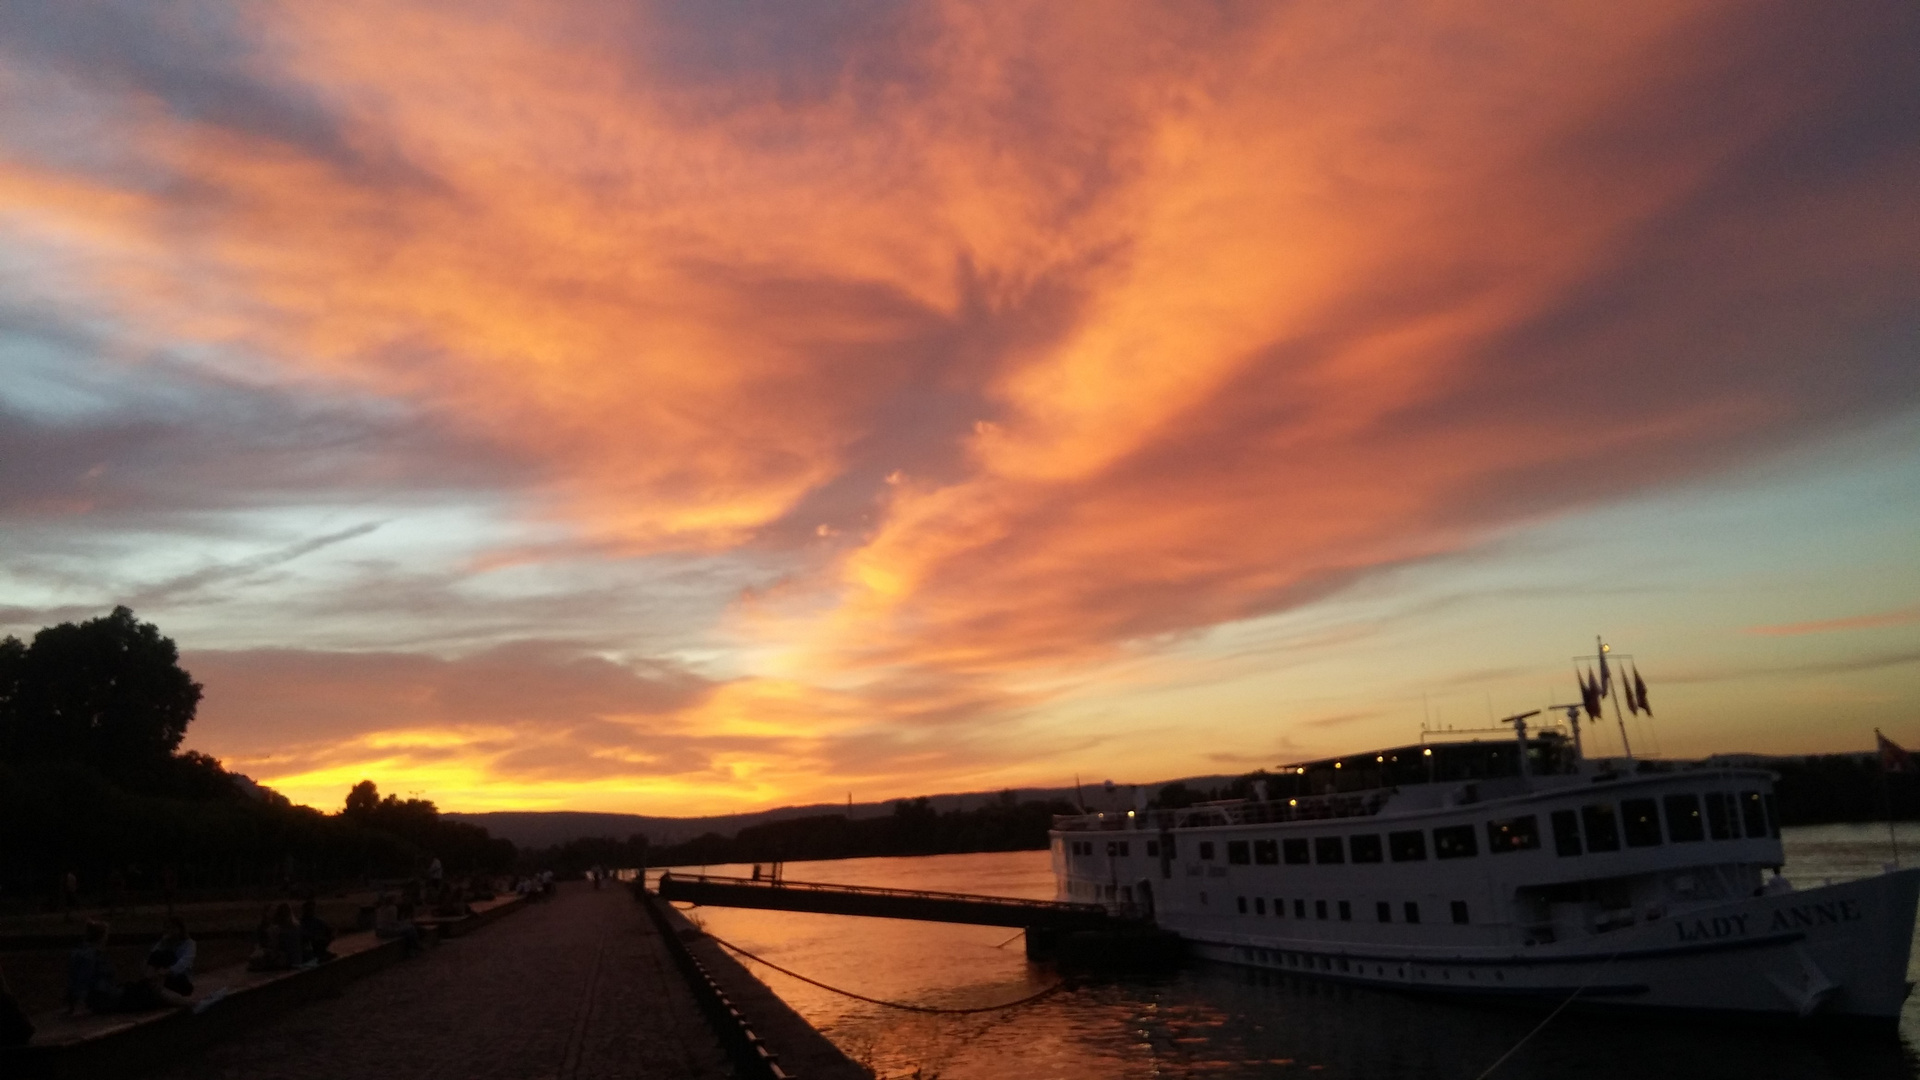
{"type": "Point", "coordinates": [1626, 691]}
{"type": "Point", "coordinates": [1590, 694]}
{"type": "Point", "coordinates": [1892, 757]}
{"type": "Point", "coordinates": [1640, 691]}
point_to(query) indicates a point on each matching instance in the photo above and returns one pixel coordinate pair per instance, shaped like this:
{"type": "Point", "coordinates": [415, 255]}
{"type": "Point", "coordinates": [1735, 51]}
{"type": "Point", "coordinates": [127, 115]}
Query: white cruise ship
{"type": "Point", "coordinates": [1509, 866]}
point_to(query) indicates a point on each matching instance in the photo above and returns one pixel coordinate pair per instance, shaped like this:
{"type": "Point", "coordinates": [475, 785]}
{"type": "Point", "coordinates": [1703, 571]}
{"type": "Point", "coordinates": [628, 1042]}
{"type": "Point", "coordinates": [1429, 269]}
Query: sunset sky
{"type": "Point", "coordinates": [699, 407]}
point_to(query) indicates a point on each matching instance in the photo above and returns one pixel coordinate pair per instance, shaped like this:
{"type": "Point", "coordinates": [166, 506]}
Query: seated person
{"type": "Point", "coordinates": [172, 957]}
{"type": "Point", "coordinates": [388, 923]}
{"type": "Point", "coordinates": [168, 978]}
{"type": "Point", "coordinates": [316, 934]}
{"type": "Point", "coordinates": [279, 946]}
{"type": "Point", "coordinates": [450, 904]}
{"type": "Point", "coordinates": [90, 979]}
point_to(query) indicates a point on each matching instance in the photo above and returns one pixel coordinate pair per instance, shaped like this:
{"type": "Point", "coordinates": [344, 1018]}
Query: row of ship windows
{"type": "Point", "coordinates": [1595, 827]}
{"type": "Point", "coordinates": [1382, 909]}
{"type": "Point", "coordinates": [1313, 961]}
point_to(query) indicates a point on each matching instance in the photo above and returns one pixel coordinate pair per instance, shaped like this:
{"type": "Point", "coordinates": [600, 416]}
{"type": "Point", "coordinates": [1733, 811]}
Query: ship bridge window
{"type": "Point", "coordinates": [1641, 818]}
{"type": "Point", "coordinates": [1454, 842]}
{"type": "Point", "coordinates": [1602, 826]}
{"type": "Point", "coordinates": [1683, 819]}
{"type": "Point", "coordinates": [1754, 813]}
{"type": "Point", "coordinates": [1723, 818]}
{"type": "Point", "coordinates": [1566, 832]}
{"type": "Point", "coordinates": [1116, 847]}
{"type": "Point", "coordinates": [1346, 911]}
{"type": "Point", "coordinates": [1266, 852]}
{"type": "Point", "coordinates": [1460, 912]}
{"type": "Point", "coordinates": [1365, 847]}
{"type": "Point", "coordinates": [1237, 853]}
{"type": "Point", "coordinates": [1206, 850]}
{"type": "Point", "coordinates": [1773, 816]}
{"type": "Point", "coordinates": [1329, 849]}
{"type": "Point", "coordinates": [1410, 846]}
{"type": "Point", "coordinates": [1295, 851]}
{"type": "Point", "coordinates": [1513, 834]}
{"type": "Point", "coordinates": [1383, 910]}
{"type": "Point", "coordinates": [1413, 911]}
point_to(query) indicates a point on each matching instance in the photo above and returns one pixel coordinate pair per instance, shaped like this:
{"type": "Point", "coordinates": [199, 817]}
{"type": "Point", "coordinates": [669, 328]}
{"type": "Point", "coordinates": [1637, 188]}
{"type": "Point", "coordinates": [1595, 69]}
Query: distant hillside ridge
{"type": "Point", "coordinates": [1813, 789]}
{"type": "Point", "coordinates": [547, 828]}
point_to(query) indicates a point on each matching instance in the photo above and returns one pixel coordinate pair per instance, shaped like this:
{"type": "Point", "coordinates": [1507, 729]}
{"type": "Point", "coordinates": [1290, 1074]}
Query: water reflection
{"type": "Point", "coordinates": [1225, 1022]}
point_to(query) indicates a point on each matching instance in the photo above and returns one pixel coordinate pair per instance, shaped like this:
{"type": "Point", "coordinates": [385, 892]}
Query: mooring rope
{"type": "Point", "coordinates": [1056, 987]}
{"type": "Point", "coordinates": [1515, 1048]}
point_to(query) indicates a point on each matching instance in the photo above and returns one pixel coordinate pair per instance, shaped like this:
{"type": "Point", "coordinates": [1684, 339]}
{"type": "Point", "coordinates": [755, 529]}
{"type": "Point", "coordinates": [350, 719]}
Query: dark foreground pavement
{"type": "Point", "coordinates": [577, 988]}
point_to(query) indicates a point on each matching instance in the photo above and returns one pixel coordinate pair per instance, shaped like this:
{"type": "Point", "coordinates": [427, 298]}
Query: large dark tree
{"type": "Point", "coordinates": [362, 800]}
{"type": "Point", "coordinates": [108, 692]}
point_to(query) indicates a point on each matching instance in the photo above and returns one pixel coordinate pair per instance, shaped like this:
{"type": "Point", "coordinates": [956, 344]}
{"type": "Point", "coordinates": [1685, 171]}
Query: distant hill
{"type": "Point", "coordinates": [545, 828]}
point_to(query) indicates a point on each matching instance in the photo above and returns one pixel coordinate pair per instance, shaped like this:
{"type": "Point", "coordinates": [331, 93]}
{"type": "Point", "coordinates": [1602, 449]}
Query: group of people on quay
{"type": "Point", "coordinates": [166, 977]}
{"type": "Point", "coordinates": [291, 934]}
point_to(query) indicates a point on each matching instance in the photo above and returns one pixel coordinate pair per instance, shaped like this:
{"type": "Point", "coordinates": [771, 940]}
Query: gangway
{"type": "Point", "coordinates": [926, 906]}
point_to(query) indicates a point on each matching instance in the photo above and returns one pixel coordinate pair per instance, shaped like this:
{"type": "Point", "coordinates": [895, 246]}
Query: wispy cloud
{"type": "Point", "coordinates": [1897, 617]}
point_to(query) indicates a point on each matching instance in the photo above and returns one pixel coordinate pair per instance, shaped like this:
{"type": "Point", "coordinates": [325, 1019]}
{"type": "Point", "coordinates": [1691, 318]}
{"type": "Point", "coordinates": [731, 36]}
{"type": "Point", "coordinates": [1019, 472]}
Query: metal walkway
{"type": "Point", "coordinates": [886, 903]}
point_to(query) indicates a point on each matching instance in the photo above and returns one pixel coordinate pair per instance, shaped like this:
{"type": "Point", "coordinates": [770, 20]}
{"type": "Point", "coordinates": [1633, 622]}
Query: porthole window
{"type": "Point", "coordinates": [1454, 842]}
{"type": "Point", "coordinates": [1364, 848]}
{"type": "Point", "coordinates": [1410, 846]}
{"type": "Point", "coordinates": [1640, 822]}
{"type": "Point", "coordinates": [1684, 823]}
{"type": "Point", "coordinates": [1602, 826]}
{"type": "Point", "coordinates": [1513, 834]}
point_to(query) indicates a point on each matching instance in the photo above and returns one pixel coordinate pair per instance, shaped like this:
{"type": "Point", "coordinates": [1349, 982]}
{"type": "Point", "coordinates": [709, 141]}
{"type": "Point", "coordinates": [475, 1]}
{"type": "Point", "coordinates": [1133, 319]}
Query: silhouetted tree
{"type": "Point", "coordinates": [362, 800]}
{"type": "Point", "coordinates": [108, 692]}
{"type": "Point", "coordinates": [13, 658]}
{"type": "Point", "coordinates": [1177, 796]}
{"type": "Point", "coordinates": [417, 822]}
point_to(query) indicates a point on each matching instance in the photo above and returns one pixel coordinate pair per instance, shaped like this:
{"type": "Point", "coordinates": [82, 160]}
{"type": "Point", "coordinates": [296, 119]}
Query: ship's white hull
{"type": "Point", "coordinates": [1836, 951]}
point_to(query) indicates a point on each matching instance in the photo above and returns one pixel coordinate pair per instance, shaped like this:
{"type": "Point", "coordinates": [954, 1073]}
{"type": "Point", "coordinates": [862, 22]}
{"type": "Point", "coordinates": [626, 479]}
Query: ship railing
{"type": "Point", "coordinates": [1243, 812]}
{"type": "Point", "coordinates": [789, 885]}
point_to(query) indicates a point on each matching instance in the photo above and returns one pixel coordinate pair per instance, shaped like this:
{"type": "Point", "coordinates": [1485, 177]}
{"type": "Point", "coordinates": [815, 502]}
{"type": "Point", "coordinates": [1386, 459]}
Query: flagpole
{"type": "Point", "coordinates": [1622, 721]}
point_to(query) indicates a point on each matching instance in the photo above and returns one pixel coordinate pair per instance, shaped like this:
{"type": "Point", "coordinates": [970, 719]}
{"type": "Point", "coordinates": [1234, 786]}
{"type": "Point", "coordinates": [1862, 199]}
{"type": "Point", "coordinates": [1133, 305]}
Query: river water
{"type": "Point", "coordinates": [1223, 1022]}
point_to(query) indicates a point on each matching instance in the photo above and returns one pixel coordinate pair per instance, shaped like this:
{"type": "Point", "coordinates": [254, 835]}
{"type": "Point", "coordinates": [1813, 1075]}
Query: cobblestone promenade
{"type": "Point", "coordinates": [578, 987]}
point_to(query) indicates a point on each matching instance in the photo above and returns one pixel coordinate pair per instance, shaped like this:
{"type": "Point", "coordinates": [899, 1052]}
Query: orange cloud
{"type": "Point", "coordinates": [1025, 337]}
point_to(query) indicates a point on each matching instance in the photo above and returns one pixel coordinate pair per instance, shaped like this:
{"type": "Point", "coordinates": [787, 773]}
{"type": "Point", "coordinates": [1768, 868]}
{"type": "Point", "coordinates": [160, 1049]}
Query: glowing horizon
{"type": "Point", "coordinates": [687, 409]}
